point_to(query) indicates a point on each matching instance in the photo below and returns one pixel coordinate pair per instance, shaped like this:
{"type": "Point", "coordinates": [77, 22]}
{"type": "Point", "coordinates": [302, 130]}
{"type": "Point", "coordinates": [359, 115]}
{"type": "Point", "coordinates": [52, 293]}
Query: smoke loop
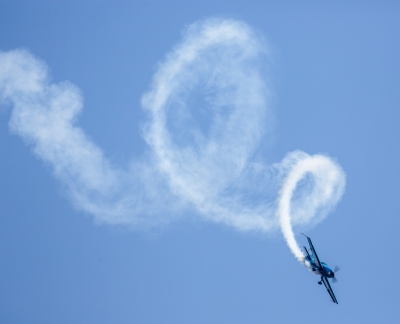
{"type": "Point", "coordinates": [208, 110]}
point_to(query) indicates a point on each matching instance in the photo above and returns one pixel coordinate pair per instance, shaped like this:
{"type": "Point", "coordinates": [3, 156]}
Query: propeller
{"type": "Point", "coordinates": [334, 280]}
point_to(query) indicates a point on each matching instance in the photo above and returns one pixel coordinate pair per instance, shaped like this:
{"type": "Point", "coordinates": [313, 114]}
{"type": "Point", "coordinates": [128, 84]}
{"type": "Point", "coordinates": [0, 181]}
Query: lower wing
{"type": "Point", "coordinates": [329, 289]}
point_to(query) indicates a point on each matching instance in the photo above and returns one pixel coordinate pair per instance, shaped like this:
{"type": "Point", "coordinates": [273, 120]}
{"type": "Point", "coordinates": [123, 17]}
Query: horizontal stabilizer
{"type": "Point", "coordinates": [305, 249]}
{"type": "Point", "coordinates": [316, 259]}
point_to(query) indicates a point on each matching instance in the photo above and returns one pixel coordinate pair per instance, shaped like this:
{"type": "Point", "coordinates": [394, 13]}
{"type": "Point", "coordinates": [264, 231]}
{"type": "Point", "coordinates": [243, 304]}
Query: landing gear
{"type": "Point", "coordinates": [319, 283]}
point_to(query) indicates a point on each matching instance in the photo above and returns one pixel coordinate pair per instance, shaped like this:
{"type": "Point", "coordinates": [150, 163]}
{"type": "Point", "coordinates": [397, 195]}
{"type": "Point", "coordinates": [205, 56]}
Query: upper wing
{"type": "Point", "coordinates": [313, 252]}
{"type": "Point", "coordinates": [329, 289]}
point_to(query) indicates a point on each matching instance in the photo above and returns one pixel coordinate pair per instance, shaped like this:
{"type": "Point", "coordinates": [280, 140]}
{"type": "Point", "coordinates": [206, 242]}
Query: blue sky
{"type": "Point", "coordinates": [183, 253]}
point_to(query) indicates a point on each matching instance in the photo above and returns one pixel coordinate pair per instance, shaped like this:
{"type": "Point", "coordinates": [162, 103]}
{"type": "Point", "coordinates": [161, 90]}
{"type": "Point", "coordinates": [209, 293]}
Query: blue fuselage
{"type": "Point", "coordinates": [320, 271]}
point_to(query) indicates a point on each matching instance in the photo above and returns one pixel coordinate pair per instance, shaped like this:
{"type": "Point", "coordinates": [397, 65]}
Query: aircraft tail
{"type": "Point", "coordinates": [306, 252]}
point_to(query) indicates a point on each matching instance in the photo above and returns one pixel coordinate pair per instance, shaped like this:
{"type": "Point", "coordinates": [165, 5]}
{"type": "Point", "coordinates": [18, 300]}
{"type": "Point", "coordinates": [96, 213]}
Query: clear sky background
{"type": "Point", "coordinates": [334, 75]}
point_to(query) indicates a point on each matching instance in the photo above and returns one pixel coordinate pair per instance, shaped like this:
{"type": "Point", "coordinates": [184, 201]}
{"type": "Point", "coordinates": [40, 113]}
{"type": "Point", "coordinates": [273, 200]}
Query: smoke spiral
{"type": "Point", "coordinates": [208, 109]}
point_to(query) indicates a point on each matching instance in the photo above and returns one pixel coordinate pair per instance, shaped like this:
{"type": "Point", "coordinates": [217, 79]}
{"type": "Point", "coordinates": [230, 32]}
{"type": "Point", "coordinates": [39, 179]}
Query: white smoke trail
{"type": "Point", "coordinates": [328, 183]}
{"type": "Point", "coordinates": [44, 114]}
{"type": "Point", "coordinates": [220, 59]}
{"type": "Point", "coordinates": [200, 151]}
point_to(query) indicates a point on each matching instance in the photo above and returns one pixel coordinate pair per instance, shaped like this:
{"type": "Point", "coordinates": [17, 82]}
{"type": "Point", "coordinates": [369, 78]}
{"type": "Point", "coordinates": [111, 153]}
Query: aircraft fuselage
{"type": "Point", "coordinates": [320, 271]}
{"type": "Point", "coordinates": [320, 268]}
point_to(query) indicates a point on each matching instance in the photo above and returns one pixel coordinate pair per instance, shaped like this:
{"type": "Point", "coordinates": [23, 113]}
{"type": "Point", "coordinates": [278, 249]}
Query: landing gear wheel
{"type": "Point", "coordinates": [319, 283]}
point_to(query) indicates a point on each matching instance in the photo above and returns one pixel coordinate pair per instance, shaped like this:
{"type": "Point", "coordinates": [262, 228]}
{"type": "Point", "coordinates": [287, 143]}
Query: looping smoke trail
{"type": "Point", "coordinates": [208, 111]}
{"type": "Point", "coordinates": [218, 60]}
{"type": "Point", "coordinates": [328, 186]}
